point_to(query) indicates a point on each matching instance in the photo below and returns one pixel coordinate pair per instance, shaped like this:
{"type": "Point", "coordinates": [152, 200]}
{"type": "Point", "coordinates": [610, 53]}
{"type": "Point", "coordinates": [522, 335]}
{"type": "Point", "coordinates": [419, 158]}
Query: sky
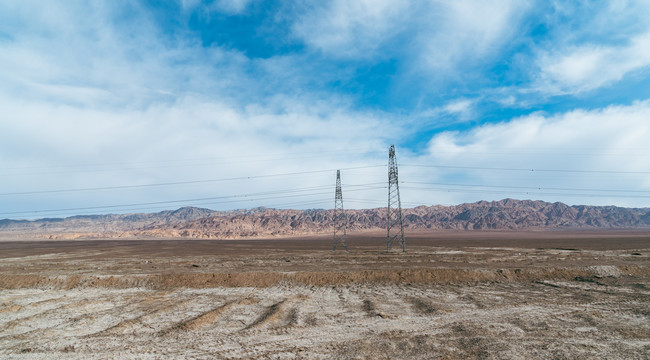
{"type": "Point", "coordinates": [133, 106]}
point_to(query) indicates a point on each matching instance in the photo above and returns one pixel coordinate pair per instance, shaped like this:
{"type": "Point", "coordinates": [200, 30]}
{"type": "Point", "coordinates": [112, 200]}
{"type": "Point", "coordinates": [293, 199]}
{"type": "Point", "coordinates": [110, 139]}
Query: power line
{"type": "Point", "coordinates": [527, 187]}
{"type": "Point", "coordinates": [528, 193]}
{"type": "Point", "coordinates": [312, 191]}
{"type": "Point", "coordinates": [528, 170]}
{"type": "Point", "coordinates": [210, 161]}
{"type": "Point", "coordinates": [281, 156]}
{"type": "Point", "coordinates": [302, 203]}
{"type": "Point", "coordinates": [378, 202]}
{"type": "Point", "coordinates": [181, 182]}
{"type": "Point", "coordinates": [239, 197]}
{"type": "Point", "coordinates": [162, 208]}
{"type": "Point", "coordinates": [548, 154]}
{"type": "Point", "coordinates": [119, 187]}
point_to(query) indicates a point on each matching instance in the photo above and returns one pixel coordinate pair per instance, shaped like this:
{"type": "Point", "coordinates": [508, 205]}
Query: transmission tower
{"type": "Point", "coordinates": [340, 220]}
{"type": "Point", "coordinates": [395, 222]}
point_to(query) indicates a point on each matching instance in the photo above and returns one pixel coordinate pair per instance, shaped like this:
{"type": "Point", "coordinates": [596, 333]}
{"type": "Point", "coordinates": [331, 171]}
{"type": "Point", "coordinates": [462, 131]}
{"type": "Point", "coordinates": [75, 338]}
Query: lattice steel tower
{"type": "Point", "coordinates": [395, 222]}
{"type": "Point", "coordinates": [340, 219]}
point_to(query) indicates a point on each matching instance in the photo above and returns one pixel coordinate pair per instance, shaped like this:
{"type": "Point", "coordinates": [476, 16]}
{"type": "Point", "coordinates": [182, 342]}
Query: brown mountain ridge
{"type": "Point", "coordinates": [507, 214]}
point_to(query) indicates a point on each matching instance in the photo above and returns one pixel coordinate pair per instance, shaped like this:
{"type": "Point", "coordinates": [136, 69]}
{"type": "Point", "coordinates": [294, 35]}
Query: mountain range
{"type": "Point", "coordinates": [192, 222]}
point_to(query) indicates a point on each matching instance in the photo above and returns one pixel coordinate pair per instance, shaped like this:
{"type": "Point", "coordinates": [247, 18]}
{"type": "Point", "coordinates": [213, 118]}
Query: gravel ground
{"type": "Point", "coordinates": [445, 303]}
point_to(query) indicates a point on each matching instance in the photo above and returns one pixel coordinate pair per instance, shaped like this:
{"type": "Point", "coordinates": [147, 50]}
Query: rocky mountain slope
{"type": "Point", "coordinates": [506, 214]}
{"type": "Point", "coordinates": [108, 223]}
{"type": "Point", "coordinates": [193, 222]}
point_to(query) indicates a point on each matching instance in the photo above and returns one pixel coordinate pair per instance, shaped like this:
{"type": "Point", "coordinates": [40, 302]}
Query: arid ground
{"type": "Point", "coordinates": [452, 295]}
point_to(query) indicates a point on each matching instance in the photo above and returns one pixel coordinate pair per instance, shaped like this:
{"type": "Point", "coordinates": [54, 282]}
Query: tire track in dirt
{"type": "Point", "coordinates": [17, 297]}
{"type": "Point", "coordinates": [270, 314]}
{"type": "Point", "coordinates": [200, 321]}
{"type": "Point", "coordinates": [256, 347]}
{"type": "Point", "coordinates": [34, 318]}
{"type": "Point", "coordinates": [369, 308]}
{"type": "Point", "coordinates": [610, 297]}
{"type": "Point", "coordinates": [279, 316]}
{"type": "Point", "coordinates": [57, 320]}
{"type": "Point", "coordinates": [53, 311]}
{"type": "Point", "coordinates": [208, 318]}
{"type": "Point", "coordinates": [377, 303]}
{"type": "Point", "coordinates": [13, 308]}
{"type": "Point", "coordinates": [34, 306]}
{"type": "Point", "coordinates": [422, 306]}
{"type": "Point", "coordinates": [132, 324]}
{"type": "Point", "coordinates": [157, 321]}
{"type": "Point", "coordinates": [260, 340]}
{"type": "Point", "coordinates": [420, 319]}
{"type": "Point", "coordinates": [291, 335]}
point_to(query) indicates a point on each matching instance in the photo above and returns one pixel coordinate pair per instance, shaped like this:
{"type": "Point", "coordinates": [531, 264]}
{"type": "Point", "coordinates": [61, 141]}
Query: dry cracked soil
{"type": "Point", "coordinates": [452, 295]}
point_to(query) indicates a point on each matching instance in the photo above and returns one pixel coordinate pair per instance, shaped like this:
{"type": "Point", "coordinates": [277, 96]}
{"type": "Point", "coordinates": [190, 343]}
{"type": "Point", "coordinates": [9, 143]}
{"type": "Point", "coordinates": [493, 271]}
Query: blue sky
{"type": "Point", "coordinates": [118, 94]}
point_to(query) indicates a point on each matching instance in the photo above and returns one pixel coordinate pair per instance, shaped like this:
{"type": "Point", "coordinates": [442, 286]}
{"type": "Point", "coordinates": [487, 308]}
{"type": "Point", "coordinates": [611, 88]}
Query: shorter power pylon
{"type": "Point", "coordinates": [394, 218]}
{"type": "Point", "coordinates": [340, 219]}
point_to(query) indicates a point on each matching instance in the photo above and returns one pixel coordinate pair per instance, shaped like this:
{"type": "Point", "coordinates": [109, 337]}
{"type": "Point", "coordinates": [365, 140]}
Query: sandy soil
{"type": "Point", "coordinates": [450, 296]}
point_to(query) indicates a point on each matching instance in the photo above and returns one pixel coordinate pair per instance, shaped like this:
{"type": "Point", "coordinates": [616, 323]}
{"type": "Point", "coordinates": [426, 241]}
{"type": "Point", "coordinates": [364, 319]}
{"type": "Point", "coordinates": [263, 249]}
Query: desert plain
{"type": "Point", "coordinates": [451, 295]}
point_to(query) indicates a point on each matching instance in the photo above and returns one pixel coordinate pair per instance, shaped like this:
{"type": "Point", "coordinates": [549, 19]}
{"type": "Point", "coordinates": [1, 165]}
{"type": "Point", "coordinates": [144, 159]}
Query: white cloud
{"type": "Point", "coordinates": [82, 55]}
{"type": "Point", "coordinates": [78, 86]}
{"type": "Point", "coordinates": [610, 139]}
{"type": "Point", "coordinates": [232, 6]}
{"type": "Point", "coordinates": [587, 67]}
{"type": "Point", "coordinates": [454, 112]}
{"type": "Point", "coordinates": [462, 106]}
{"type": "Point", "coordinates": [97, 92]}
{"type": "Point", "coordinates": [352, 29]}
{"type": "Point", "coordinates": [462, 31]}
{"type": "Point", "coordinates": [434, 38]}
{"type": "Point", "coordinates": [189, 4]}
{"type": "Point", "coordinates": [59, 55]}
{"type": "Point", "coordinates": [46, 139]}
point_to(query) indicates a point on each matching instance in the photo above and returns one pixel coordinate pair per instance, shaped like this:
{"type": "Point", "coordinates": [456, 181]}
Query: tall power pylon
{"type": "Point", "coordinates": [395, 222]}
{"type": "Point", "coordinates": [340, 220]}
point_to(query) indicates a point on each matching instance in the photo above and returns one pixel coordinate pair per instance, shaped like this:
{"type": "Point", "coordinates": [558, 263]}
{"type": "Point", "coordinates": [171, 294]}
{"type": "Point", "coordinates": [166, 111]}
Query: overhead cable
{"type": "Point", "coordinates": [525, 169]}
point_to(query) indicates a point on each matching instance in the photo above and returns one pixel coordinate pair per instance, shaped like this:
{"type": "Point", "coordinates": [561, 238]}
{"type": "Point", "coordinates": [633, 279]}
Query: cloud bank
{"type": "Point", "coordinates": [106, 94]}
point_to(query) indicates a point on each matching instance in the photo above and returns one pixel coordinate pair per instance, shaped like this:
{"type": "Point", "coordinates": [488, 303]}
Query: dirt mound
{"type": "Point", "coordinates": [267, 279]}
